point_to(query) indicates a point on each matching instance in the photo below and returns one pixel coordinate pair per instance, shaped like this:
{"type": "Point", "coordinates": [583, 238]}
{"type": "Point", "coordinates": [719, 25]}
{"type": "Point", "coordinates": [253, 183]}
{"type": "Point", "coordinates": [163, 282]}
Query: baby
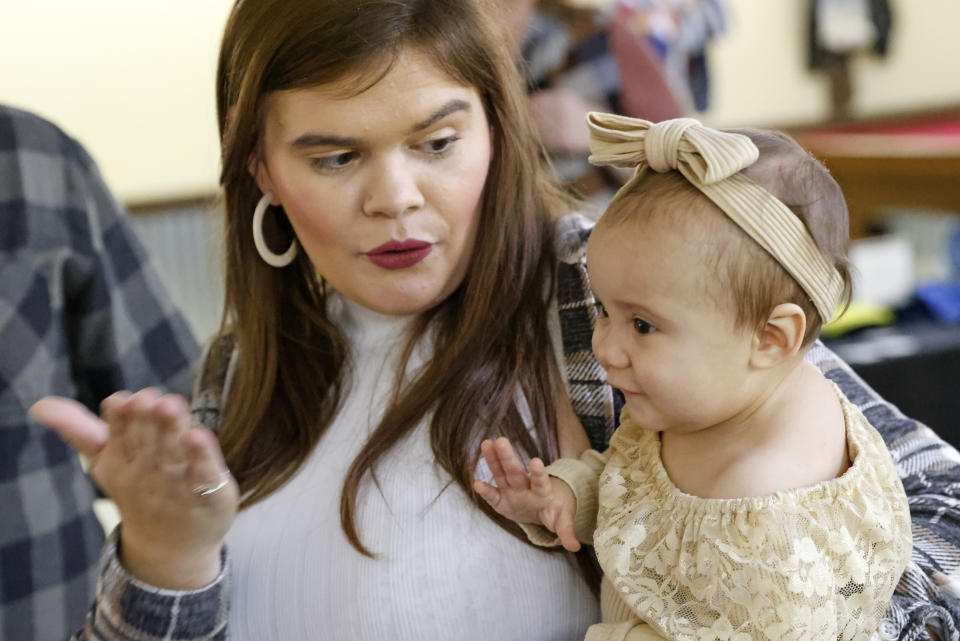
{"type": "Point", "coordinates": [742, 496]}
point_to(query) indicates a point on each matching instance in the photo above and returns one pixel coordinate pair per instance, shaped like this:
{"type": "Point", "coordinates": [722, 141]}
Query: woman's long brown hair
{"type": "Point", "coordinates": [491, 336]}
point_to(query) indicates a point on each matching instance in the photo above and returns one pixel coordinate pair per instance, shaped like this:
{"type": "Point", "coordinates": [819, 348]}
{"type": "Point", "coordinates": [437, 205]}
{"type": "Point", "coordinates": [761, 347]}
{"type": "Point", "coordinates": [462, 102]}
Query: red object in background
{"type": "Point", "coordinates": [918, 135]}
{"type": "Point", "coordinates": [911, 161]}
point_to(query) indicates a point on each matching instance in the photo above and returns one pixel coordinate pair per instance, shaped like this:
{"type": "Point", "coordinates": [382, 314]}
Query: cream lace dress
{"type": "Point", "coordinates": [818, 562]}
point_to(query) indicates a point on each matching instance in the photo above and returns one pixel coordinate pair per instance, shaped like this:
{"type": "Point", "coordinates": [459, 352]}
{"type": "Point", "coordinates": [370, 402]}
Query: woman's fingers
{"type": "Point", "coordinates": [168, 479]}
{"type": "Point", "coordinates": [115, 411]}
{"type": "Point", "coordinates": [173, 421]}
{"type": "Point", "coordinates": [177, 503]}
{"type": "Point", "coordinates": [110, 405]}
{"type": "Point", "coordinates": [139, 423]}
{"type": "Point", "coordinates": [207, 470]}
{"type": "Point", "coordinates": [75, 424]}
{"type": "Point", "coordinates": [148, 425]}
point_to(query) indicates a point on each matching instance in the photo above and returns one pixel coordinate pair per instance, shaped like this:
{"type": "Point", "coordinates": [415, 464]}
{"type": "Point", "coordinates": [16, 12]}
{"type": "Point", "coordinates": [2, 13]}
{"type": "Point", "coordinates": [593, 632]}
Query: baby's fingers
{"type": "Point", "coordinates": [539, 479]}
{"type": "Point", "coordinates": [516, 474]}
{"type": "Point", "coordinates": [564, 529]}
{"type": "Point", "coordinates": [493, 462]}
{"type": "Point", "coordinates": [488, 493]}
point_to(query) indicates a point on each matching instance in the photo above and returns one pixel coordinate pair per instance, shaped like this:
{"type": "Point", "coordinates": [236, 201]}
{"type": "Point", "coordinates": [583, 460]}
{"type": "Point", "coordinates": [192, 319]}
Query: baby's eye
{"type": "Point", "coordinates": [334, 162]}
{"type": "Point", "coordinates": [601, 310]}
{"type": "Point", "coordinates": [643, 327]}
{"type": "Point", "coordinates": [439, 145]}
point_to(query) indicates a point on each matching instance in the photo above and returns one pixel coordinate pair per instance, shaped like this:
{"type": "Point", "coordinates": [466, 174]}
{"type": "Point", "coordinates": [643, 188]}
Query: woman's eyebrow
{"type": "Point", "coordinates": [320, 140]}
{"type": "Point", "coordinates": [444, 111]}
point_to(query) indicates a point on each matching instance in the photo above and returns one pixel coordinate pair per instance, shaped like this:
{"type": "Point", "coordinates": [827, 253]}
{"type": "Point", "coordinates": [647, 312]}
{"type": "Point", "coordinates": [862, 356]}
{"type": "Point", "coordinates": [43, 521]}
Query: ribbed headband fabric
{"type": "Point", "coordinates": [711, 161]}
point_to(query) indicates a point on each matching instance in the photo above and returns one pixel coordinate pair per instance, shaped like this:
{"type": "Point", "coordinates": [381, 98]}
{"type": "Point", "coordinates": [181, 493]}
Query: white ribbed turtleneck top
{"type": "Point", "coordinates": [444, 570]}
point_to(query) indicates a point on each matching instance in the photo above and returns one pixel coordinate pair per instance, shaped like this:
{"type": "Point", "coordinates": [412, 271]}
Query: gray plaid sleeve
{"type": "Point", "coordinates": [130, 609]}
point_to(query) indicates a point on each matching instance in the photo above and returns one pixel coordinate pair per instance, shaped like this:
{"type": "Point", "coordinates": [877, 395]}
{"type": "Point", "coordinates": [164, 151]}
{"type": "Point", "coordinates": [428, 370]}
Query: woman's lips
{"type": "Point", "coordinates": [397, 254]}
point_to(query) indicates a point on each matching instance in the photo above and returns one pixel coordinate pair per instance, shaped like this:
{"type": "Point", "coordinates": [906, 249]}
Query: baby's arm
{"type": "Point", "coordinates": [635, 630]}
{"type": "Point", "coordinates": [524, 497]}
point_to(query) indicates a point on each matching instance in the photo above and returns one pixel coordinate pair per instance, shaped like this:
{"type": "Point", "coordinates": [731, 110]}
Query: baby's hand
{"type": "Point", "coordinates": [527, 498]}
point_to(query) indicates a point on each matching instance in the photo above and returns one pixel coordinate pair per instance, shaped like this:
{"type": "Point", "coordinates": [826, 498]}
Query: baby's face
{"type": "Point", "coordinates": [661, 335]}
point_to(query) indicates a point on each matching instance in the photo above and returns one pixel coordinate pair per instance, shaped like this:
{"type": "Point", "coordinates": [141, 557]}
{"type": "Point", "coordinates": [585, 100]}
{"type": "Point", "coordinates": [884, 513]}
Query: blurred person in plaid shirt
{"type": "Point", "coordinates": [82, 313]}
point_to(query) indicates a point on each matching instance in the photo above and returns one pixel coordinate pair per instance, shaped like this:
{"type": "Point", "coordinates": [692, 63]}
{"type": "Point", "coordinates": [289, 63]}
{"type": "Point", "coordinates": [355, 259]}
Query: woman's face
{"type": "Point", "coordinates": [383, 189]}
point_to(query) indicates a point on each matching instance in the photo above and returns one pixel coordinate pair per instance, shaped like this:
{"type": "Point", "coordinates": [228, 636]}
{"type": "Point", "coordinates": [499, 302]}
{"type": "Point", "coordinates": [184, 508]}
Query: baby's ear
{"type": "Point", "coordinates": [781, 337]}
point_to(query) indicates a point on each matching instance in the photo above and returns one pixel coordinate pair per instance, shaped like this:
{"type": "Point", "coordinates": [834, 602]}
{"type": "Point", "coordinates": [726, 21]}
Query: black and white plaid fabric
{"type": "Point", "coordinates": [930, 468]}
{"type": "Point", "coordinates": [82, 314]}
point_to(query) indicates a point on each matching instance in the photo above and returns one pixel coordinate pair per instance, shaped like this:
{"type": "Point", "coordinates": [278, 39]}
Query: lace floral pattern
{"type": "Point", "coordinates": [819, 562]}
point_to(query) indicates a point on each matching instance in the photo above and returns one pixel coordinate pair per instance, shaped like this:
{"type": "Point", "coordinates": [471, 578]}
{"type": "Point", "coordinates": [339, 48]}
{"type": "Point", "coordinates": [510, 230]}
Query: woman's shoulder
{"type": "Point", "coordinates": [593, 400]}
{"type": "Point", "coordinates": [571, 235]}
{"type": "Point", "coordinates": [213, 379]}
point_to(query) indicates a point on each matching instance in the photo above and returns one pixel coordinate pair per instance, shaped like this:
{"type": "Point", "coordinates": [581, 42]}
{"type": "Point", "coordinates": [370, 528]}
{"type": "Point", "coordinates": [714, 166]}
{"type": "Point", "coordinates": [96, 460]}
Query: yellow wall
{"type": "Point", "coordinates": [133, 79]}
{"type": "Point", "coordinates": [759, 72]}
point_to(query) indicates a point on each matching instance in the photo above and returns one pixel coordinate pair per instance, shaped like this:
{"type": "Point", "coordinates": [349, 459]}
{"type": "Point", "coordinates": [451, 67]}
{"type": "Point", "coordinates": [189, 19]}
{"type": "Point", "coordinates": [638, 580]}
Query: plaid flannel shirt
{"type": "Point", "coordinates": [82, 314]}
{"type": "Point", "coordinates": [930, 469]}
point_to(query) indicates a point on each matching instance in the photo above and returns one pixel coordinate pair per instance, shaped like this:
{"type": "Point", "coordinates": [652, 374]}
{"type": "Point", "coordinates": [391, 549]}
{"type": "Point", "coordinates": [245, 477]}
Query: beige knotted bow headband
{"type": "Point", "coordinates": [711, 161]}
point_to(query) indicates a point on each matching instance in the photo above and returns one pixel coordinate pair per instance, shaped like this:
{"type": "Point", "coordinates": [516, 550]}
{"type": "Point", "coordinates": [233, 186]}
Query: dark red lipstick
{"type": "Point", "coordinates": [397, 254]}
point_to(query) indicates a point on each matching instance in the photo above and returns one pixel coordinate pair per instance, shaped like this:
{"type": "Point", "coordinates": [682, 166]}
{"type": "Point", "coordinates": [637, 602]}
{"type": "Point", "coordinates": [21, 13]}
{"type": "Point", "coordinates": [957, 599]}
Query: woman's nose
{"type": "Point", "coordinates": [607, 349]}
{"type": "Point", "coordinates": [392, 188]}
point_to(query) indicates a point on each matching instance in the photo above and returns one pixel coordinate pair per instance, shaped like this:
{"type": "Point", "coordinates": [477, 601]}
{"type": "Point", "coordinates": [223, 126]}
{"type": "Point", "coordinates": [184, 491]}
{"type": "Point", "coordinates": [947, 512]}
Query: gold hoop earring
{"type": "Point", "coordinates": [274, 260]}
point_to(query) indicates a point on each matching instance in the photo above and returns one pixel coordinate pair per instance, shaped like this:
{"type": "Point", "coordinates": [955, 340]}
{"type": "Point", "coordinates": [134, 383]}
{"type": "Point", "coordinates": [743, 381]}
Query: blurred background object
{"type": "Point", "coordinates": [643, 58]}
{"type": "Point", "coordinates": [840, 29]}
{"type": "Point", "coordinates": [869, 87]}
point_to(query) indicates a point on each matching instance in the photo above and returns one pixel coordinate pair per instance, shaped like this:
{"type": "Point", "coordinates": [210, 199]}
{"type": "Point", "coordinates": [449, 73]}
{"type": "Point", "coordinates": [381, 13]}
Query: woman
{"type": "Point", "coordinates": [381, 153]}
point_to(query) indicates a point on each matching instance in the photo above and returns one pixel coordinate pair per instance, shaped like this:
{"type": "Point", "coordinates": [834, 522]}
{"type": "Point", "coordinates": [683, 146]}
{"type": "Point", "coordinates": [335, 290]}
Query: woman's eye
{"type": "Point", "coordinates": [439, 145]}
{"type": "Point", "coordinates": [334, 162]}
{"type": "Point", "coordinates": [601, 310]}
{"type": "Point", "coordinates": [643, 327]}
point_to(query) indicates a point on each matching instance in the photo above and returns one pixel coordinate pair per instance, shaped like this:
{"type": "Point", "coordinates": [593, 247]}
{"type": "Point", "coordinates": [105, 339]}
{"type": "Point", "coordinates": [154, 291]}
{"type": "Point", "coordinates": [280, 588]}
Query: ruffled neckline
{"type": "Point", "coordinates": [648, 462]}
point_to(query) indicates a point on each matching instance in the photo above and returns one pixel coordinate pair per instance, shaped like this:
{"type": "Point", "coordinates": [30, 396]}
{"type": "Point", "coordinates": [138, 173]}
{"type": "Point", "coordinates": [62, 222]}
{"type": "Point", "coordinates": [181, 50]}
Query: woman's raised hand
{"type": "Point", "coordinates": [167, 477]}
{"type": "Point", "coordinates": [524, 497]}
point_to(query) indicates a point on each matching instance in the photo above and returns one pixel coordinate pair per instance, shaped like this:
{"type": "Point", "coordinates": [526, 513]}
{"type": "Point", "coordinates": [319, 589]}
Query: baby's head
{"type": "Point", "coordinates": [735, 272]}
{"type": "Point", "coordinates": [698, 320]}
